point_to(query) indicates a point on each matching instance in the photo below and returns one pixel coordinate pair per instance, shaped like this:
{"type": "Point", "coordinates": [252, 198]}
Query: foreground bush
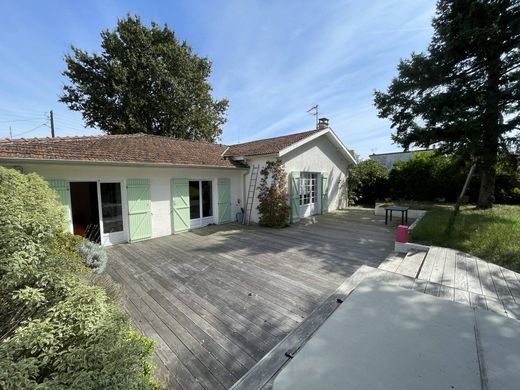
{"type": "Point", "coordinates": [58, 330]}
{"type": "Point", "coordinates": [93, 255]}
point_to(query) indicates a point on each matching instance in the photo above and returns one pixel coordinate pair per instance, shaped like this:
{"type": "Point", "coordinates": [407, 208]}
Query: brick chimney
{"type": "Point", "coordinates": [323, 123]}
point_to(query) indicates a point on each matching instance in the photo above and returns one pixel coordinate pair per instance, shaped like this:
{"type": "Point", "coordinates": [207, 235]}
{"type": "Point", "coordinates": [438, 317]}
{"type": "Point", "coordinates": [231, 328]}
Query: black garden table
{"type": "Point", "coordinates": [402, 209]}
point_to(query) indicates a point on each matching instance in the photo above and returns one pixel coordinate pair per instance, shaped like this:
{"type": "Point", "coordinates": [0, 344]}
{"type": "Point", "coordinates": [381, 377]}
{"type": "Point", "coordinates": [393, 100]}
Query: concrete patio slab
{"type": "Point", "coordinates": [387, 337]}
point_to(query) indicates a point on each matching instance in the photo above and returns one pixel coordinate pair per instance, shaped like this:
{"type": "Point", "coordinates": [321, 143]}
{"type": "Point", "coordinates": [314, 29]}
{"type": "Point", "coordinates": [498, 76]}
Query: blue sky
{"type": "Point", "coordinates": [273, 60]}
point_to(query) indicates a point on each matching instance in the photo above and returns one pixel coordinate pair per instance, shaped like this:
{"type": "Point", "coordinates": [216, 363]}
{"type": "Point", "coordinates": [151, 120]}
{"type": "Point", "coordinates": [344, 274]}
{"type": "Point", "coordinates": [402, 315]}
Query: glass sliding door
{"type": "Point", "coordinates": [111, 206]}
{"type": "Point", "coordinates": [207, 207]}
{"type": "Point", "coordinates": [201, 203]}
{"type": "Point", "coordinates": [194, 199]}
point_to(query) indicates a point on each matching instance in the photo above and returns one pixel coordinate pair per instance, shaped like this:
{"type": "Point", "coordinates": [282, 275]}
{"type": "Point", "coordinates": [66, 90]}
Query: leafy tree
{"type": "Point", "coordinates": [464, 92]}
{"type": "Point", "coordinates": [367, 182]}
{"type": "Point", "coordinates": [144, 80]}
{"type": "Point", "coordinates": [354, 154]}
{"type": "Point", "coordinates": [273, 207]}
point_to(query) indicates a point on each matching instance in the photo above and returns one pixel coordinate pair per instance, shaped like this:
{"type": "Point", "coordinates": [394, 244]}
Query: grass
{"type": "Point", "coordinates": [493, 235]}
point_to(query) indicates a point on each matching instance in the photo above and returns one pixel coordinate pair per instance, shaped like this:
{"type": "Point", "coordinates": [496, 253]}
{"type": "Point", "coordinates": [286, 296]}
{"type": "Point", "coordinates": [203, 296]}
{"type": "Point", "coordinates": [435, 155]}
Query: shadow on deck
{"type": "Point", "coordinates": [217, 299]}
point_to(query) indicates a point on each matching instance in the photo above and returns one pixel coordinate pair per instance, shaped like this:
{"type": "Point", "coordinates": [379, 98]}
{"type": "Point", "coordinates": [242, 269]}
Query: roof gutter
{"type": "Point", "coordinates": [112, 163]}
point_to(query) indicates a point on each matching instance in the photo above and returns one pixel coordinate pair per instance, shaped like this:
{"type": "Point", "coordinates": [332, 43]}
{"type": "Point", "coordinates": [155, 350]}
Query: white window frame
{"type": "Point", "coordinates": [203, 221]}
{"type": "Point", "coordinates": [308, 188]}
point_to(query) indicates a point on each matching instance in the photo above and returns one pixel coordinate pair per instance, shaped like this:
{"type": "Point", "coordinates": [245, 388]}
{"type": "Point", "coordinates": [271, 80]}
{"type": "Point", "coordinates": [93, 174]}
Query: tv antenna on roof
{"type": "Point", "coordinates": [314, 111]}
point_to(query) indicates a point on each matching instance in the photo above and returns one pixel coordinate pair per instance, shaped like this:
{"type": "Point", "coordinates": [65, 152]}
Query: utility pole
{"type": "Point", "coordinates": [52, 124]}
{"type": "Point", "coordinates": [10, 132]}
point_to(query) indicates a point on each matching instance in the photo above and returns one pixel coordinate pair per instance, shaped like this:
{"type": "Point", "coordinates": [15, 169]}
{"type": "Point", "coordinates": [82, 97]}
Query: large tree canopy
{"type": "Point", "coordinates": [144, 80]}
{"type": "Point", "coordinates": [463, 93]}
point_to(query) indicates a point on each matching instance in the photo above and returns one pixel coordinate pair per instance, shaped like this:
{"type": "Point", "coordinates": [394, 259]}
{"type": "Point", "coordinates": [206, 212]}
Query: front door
{"type": "Point", "coordinates": [309, 203]}
{"type": "Point", "coordinates": [111, 213]}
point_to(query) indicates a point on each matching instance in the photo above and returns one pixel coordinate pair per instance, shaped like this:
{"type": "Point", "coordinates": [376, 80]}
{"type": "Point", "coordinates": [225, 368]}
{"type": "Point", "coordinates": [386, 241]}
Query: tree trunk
{"type": "Point", "coordinates": [490, 136]}
{"type": "Point", "coordinates": [486, 195]}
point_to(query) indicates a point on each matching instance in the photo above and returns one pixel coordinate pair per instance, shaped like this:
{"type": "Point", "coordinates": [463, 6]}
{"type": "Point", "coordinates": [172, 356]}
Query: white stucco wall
{"type": "Point", "coordinates": [317, 156]}
{"type": "Point", "coordinates": [259, 160]}
{"type": "Point", "coordinates": [320, 155]}
{"type": "Point", "coordinates": [159, 184]}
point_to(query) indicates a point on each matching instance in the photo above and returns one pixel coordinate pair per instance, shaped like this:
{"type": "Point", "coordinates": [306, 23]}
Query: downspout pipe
{"type": "Point", "coordinates": [242, 200]}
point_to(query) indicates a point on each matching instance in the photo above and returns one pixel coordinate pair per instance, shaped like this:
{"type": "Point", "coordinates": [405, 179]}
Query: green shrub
{"type": "Point", "coordinates": [58, 330]}
{"type": "Point", "coordinates": [93, 255]}
{"type": "Point", "coordinates": [273, 207]}
{"type": "Point", "coordinates": [507, 184]}
{"type": "Point", "coordinates": [367, 182]}
{"type": "Point", "coordinates": [428, 177]}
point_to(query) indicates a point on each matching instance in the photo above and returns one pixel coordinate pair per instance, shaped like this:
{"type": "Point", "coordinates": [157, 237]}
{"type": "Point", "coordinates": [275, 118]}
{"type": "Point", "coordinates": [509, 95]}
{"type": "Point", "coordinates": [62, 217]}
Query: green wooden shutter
{"type": "Point", "coordinates": [62, 189]}
{"type": "Point", "coordinates": [139, 209]}
{"type": "Point", "coordinates": [180, 205]}
{"type": "Point", "coordinates": [324, 192]}
{"type": "Point", "coordinates": [224, 200]}
{"type": "Point", "coordinates": [294, 179]}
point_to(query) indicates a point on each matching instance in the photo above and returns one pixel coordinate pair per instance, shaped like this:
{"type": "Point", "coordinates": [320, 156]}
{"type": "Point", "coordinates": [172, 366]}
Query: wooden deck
{"type": "Point", "coordinates": [216, 300]}
{"type": "Point", "coordinates": [460, 277]}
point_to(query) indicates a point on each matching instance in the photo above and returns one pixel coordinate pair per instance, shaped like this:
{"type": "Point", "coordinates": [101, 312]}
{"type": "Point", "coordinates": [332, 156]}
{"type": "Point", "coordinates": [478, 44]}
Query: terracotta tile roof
{"type": "Point", "coordinates": [128, 148]}
{"type": "Point", "coordinates": [268, 145]}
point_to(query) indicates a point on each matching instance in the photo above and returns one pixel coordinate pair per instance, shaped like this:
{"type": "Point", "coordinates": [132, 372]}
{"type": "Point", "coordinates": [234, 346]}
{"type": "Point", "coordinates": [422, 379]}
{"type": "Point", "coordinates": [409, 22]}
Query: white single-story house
{"type": "Point", "coordinates": [124, 188]}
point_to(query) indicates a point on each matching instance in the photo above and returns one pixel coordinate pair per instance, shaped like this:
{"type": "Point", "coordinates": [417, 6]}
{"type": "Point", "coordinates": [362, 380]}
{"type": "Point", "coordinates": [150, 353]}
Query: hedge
{"type": "Point", "coordinates": [427, 177]}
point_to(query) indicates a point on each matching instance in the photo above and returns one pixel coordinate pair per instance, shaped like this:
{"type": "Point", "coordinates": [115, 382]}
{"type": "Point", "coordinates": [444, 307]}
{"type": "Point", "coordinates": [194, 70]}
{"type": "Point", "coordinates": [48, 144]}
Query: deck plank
{"type": "Point", "coordinates": [392, 262]}
{"type": "Point", "coordinates": [500, 284]}
{"type": "Point", "coordinates": [411, 264]}
{"type": "Point", "coordinates": [461, 273]}
{"type": "Point", "coordinates": [472, 274]}
{"type": "Point", "coordinates": [486, 280]}
{"type": "Point", "coordinates": [438, 267]}
{"type": "Point", "coordinates": [512, 282]}
{"type": "Point", "coordinates": [450, 267]}
{"type": "Point", "coordinates": [428, 263]}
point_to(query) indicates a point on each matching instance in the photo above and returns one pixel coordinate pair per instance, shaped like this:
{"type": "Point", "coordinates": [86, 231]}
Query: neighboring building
{"type": "Point", "coordinates": [120, 188]}
{"type": "Point", "coordinates": [388, 160]}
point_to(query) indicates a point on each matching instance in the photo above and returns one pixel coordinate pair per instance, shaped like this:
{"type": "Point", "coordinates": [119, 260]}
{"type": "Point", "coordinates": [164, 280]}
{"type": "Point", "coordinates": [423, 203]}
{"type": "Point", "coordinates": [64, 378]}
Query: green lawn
{"type": "Point", "coordinates": [492, 235]}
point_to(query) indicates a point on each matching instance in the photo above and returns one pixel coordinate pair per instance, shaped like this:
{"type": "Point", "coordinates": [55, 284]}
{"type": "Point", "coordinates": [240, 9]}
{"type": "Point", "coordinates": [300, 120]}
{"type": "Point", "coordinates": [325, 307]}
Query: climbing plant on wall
{"type": "Point", "coordinates": [273, 207]}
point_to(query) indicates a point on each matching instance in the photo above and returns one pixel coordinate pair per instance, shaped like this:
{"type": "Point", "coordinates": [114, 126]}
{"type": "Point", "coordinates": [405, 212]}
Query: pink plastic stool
{"type": "Point", "coordinates": [401, 234]}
